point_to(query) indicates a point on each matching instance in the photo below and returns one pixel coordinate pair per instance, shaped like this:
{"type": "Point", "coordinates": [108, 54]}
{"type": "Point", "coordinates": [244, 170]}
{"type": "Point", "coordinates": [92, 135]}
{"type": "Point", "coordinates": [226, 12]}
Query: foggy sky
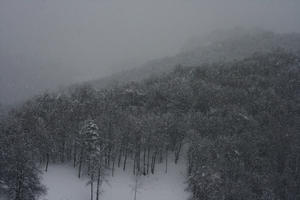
{"type": "Point", "coordinates": [48, 43]}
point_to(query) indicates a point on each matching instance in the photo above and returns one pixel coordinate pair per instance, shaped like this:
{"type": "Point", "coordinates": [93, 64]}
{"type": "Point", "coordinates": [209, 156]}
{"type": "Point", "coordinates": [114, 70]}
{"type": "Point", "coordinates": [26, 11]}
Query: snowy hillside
{"type": "Point", "coordinates": [235, 123]}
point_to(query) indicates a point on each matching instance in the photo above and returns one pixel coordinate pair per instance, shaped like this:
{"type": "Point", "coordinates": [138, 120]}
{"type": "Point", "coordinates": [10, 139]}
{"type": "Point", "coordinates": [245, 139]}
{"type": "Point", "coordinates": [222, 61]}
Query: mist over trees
{"type": "Point", "coordinates": [148, 89]}
{"type": "Point", "coordinates": [238, 120]}
{"type": "Point", "coordinates": [53, 43]}
{"type": "Point", "coordinates": [217, 46]}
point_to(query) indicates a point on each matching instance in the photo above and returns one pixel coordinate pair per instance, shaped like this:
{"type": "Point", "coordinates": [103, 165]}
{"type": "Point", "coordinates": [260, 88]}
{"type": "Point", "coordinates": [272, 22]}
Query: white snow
{"type": "Point", "coordinates": [63, 184]}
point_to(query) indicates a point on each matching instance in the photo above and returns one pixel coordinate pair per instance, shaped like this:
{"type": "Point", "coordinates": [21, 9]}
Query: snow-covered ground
{"type": "Point", "coordinates": [62, 184]}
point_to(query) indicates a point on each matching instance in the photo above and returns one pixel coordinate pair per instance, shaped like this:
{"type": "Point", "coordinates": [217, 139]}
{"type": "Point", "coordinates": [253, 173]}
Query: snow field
{"type": "Point", "coordinates": [63, 184]}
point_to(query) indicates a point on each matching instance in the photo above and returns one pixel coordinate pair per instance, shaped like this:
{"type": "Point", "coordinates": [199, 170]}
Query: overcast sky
{"type": "Point", "coordinates": [48, 43]}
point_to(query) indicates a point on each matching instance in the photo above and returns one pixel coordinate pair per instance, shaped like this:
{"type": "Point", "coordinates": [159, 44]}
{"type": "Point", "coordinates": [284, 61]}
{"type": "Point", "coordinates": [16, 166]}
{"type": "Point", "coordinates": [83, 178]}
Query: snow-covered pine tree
{"type": "Point", "coordinates": [87, 139]}
{"type": "Point", "coordinates": [93, 151]}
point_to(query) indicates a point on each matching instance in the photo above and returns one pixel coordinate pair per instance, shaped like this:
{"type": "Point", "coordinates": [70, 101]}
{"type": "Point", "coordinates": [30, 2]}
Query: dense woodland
{"type": "Point", "coordinates": [237, 119]}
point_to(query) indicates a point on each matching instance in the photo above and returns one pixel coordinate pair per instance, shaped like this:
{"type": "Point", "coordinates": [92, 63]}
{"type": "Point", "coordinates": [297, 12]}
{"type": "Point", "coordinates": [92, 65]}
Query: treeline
{"type": "Point", "coordinates": [238, 119]}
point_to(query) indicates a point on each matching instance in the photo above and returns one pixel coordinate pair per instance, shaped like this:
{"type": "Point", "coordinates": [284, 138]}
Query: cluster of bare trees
{"type": "Point", "coordinates": [101, 130]}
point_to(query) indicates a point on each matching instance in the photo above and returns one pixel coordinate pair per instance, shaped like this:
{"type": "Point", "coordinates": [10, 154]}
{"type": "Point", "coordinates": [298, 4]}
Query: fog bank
{"type": "Point", "coordinates": [48, 43]}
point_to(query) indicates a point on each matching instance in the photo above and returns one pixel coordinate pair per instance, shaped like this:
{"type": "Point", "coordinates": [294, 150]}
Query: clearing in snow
{"type": "Point", "coordinates": [63, 184]}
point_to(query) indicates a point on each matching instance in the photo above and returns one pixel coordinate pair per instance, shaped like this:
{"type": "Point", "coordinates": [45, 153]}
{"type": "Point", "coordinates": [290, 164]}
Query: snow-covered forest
{"type": "Point", "coordinates": [149, 100]}
{"type": "Point", "coordinates": [237, 119]}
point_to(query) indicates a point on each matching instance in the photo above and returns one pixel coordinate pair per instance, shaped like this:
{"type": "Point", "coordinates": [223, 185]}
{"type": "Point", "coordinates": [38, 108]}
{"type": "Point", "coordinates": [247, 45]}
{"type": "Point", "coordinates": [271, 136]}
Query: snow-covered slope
{"type": "Point", "coordinates": [62, 184]}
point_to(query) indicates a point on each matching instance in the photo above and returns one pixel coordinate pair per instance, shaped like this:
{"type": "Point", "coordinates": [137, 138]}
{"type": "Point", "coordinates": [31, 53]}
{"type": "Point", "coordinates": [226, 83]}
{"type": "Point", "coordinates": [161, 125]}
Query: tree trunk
{"type": "Point", "coordinates": [75, 154]}
{"type": "Point", "coordinates": [177, 152]}
{"type": "Point", "coordinates": [125, 159]}
{"type": "Point", "coordinates": [113, 166]}
{"type": "Point", "coordinates": [166, 160]}
{"type": "Point", "coordinates": [80, 162]}
{"type": "Point", "coordinates": [161, 156]}
{"type": "Point", "coordinates": [98, 183]}
{"type": "Point", "coordinates": [148, 160]}
{"type": "Point", "coordinates": [89, 166]}
{"type": "Point", "coordinates": [153, 161]}
{"type": "Point", "coordinates": [109, 155]}
{"type": "Point", "coordinates": [62, 153]}
{"type": "Point", "coordinates": [144, 161]}
{"type": "Point", "coordinates": [47, 161]}
{"type": "Point", "coordinates": [92, 185]}
{"type": "Point", "coordinates": [119, 159]}
{"type": "Point", "coordinates": [138, 160]}
{"type": "Point", "coordinates": [134, 164]}
{"type": "Point", "coordinates": [69, 154]}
